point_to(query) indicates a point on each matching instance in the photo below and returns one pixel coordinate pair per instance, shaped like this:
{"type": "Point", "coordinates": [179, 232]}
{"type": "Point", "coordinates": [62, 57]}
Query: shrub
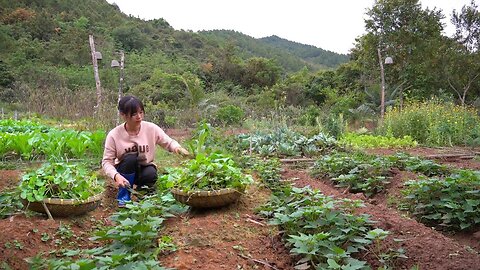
{"type": "Point", "coordinates": [333, 125]}
{"type": "Point", "coordinates": [309, 118]}
{"type": "Point", "coordinates": [230, 115]}
{"type": "Point", "coordinates": [433, 123]}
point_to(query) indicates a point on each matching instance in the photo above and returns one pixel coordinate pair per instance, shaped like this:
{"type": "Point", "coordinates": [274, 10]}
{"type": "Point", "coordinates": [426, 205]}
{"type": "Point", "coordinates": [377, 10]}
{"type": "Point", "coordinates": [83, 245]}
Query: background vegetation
{"type": "Point", "coordinates": [227, 77]}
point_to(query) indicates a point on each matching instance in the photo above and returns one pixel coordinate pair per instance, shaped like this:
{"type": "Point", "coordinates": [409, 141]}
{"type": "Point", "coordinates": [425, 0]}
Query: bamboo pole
{"type": "Point", "coordinates": [97, 77]}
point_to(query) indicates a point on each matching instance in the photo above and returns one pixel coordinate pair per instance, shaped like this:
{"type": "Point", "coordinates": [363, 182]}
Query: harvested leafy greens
{"type": "Point", "coordinates": [207, 172]}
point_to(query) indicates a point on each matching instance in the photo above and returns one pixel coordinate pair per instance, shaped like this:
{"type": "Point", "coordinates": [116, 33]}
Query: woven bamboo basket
{"type": "Point", "coordinates": [65, 207]}
{"type": "Point", "coordinates": [207, 199]}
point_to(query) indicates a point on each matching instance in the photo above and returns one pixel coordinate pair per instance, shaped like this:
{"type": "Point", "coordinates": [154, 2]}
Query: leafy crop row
{"type": "Point", "coordinates": [53, 145]}
{"type": "Point", "coordinates": [285, 142]}
{"type": "Point", "coordinates": [357, 172]}
{"type": "Point", "coordinates": [369, 174]}
{"type": "Point", "coordinates": [131, 243]}
{"type": "Point", "coordinates": [14, 126]}
{"type": "Point", "coordinates": [325, 232]}
{"type": "Point", "coordinates": [452, 202]}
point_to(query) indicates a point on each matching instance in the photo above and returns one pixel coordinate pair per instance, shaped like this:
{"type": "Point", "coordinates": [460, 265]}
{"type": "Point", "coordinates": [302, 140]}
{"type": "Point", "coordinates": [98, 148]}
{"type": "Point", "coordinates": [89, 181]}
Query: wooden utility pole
{"type": "Point", "coordinates": [120, 85]}
{"type": "Point", "coordinates": [95, 71]}
{"type": "Point", "coordinates": [382, 90]}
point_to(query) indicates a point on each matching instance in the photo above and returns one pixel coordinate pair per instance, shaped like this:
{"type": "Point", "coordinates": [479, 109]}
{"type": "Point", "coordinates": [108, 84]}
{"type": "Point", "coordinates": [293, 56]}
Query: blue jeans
{"type": "Point", "coordinates": [135, 174]}
{"type": "Point", "coordinates": [123, 195]}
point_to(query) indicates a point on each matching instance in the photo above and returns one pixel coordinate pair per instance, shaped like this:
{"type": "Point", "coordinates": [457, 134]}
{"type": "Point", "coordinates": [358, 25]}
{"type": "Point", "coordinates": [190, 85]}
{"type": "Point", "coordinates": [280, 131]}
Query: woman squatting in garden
{"type": "Point", "coordinates": [130, 149]}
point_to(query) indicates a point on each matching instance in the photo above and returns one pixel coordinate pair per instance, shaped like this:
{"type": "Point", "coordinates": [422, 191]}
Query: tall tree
{"type": "Point", "coordinates": [467, 24]}
{"type": "Point", "coordinates": [463, 60]}
{"type": "Point", "coordinates": [261, 72]}
{"type": "Point", "coordinates": [411, 36]}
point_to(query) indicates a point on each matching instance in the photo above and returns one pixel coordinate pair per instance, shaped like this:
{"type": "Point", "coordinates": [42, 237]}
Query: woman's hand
{"type": "Point", "coordinates": [182, 151]}
{"type": "Point", "coordinates": [121, 181]}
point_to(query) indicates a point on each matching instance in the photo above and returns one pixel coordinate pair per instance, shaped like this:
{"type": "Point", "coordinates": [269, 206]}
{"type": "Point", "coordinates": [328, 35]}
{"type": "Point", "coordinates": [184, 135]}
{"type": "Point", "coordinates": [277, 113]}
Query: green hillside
{"type": "Point", "coordinates": [46, 59]}
{"type": "Point", "coordinates": [184, 76]}
{"type": "Point", "coordinates": [291, 56]}
{"type": "Point", "coordinates": [56, 32]}
{"type": "Point", "coordinates": [308, 53]}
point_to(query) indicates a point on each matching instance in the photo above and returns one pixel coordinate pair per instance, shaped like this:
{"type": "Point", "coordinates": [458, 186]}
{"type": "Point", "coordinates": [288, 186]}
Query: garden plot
{"type": "Point", "coordinates": [227, 238]}
{"type": "Point", "coordinates": [423, 245]}
{"type": "Point", "coordinates": [237, 236]}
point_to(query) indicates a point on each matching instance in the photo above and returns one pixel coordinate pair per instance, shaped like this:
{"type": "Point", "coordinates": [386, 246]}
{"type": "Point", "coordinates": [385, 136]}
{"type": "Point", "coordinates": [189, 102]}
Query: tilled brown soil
{"type": "Point", "coordinates": [234, 238]}
{"type": "Point", "coordinates": [424, 247]}
{"type": "Point", "coordinates": [227, 238]}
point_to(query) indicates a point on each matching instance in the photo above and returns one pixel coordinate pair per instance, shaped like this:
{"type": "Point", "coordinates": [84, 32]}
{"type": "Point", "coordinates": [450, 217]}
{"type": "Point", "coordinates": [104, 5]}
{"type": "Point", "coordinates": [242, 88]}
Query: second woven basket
{"type": "Point", "coordinates": [207, 199]}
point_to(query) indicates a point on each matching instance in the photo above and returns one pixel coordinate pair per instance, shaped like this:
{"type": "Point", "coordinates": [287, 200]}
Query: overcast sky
{"type": "Point", "coordinates": [328, 24]}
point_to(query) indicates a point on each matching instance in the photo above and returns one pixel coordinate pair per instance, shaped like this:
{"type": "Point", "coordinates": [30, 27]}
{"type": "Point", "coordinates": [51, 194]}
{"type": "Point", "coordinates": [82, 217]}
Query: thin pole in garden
{"type": "Point", "coordinates": [120, 85]}
{"type": "Point", "coordinates": [382, 78]}
{"type": "Point", "coordinates": [388, 61]}
{"type": "Point", "coordinates": [122, 61]}
{"type": "Point", "coordinates": [96, 56]}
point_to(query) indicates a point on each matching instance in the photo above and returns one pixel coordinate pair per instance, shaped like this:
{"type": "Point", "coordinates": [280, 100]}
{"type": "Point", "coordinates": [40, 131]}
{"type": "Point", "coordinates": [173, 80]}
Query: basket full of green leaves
{"type": "Point", "coordinates": [61, 189]}
{"type": "Point", "coordinates": [207, 181]}
{"type": "Point", "coordinates": [211, 179]}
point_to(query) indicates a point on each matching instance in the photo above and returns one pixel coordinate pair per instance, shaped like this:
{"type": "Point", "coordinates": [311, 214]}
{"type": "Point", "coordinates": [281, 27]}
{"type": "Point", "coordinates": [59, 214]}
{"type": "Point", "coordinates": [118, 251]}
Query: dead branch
{"type": "Point", "coordinates": [293, 160]}
{"type": "Point", "coordinates": [257, 261]}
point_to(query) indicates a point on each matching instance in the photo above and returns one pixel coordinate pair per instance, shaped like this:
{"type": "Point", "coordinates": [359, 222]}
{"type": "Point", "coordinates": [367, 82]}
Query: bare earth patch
{"type": "Point", "coordinates": [227, 238]}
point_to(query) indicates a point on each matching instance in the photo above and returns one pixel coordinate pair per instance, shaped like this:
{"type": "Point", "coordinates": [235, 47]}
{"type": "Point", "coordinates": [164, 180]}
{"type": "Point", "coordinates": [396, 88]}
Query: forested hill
{"type": "Point", "coordinates": [292, 56]}
{"type": "Point", "coordinates": [45, 49]}
{"type": "Point", "coordinates": [308, 53]}
{"type": "Point", "coordinates": [62, 25]}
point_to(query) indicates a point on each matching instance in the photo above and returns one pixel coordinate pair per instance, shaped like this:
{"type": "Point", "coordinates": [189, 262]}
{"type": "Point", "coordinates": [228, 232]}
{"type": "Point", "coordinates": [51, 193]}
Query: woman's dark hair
{"type": "Point", "coordinates": [129, 105]}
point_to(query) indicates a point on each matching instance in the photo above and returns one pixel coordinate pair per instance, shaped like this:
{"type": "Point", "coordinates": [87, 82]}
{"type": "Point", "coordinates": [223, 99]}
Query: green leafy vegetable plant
{"type": "Point", "coordinates": [59, 180]}
{"type": "Point", "coordinates": [9, 203]}
{"type": "Point", "coordinates": [323, 231]}
{"type": "Point", "coordinates": [451, 203]}
{"type": "Point", "coordinates": [29, 140]}
{"type": "Point", "coordinates": [356, 171]}
{"type": "Point", "coordinates": [131, 243]}
{"type": "Point", "coordinates": [207, 172]}
{"type": "Point", "coordinates": [269, 171]}
{"type": "Point", "coordinates": [369, 174]}
{"type": "Point", "coordinates": [416, 164]}
{"type": "Point", "coordinates": [285, 142]}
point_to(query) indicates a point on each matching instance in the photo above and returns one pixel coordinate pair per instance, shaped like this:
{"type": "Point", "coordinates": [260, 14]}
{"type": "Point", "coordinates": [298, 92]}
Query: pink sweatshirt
{"type": "Point", "coordinates": [119, 142]}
